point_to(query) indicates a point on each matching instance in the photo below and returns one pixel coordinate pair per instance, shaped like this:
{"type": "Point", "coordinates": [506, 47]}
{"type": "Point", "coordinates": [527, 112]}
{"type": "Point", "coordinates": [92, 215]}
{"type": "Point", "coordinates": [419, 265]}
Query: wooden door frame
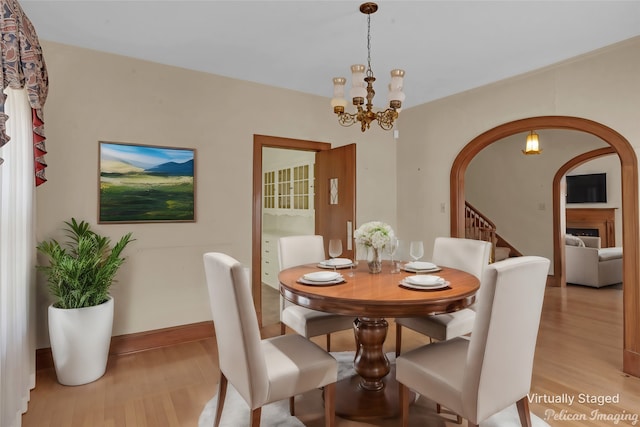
{"type": "Point", "coordinates": [260, 142]}
{"type": "Point", "coordinates": [630, 217]}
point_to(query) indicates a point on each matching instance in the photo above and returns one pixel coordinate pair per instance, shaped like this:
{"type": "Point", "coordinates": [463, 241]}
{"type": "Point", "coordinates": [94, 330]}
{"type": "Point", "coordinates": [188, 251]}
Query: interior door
{"type": "Point", "coordinates": [335, 196]}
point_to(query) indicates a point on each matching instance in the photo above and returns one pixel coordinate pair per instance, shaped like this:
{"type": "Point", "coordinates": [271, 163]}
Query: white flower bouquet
{"type": "Point", "coordinates": [374, 234]}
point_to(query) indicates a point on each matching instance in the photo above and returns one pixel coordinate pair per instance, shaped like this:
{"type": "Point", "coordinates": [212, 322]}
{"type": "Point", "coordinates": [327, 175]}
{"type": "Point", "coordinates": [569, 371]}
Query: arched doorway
{"type": "Point", "coordinates": [630, 222]}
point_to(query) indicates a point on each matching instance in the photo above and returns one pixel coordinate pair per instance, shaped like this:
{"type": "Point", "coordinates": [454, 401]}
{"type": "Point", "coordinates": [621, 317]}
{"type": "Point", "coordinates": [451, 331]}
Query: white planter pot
{"type": "Point", "coordinates": [80, 339]}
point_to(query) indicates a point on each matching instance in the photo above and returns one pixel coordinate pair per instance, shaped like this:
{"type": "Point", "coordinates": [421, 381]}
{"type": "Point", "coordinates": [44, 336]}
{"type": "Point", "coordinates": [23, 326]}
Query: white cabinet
{"type": "Point", "coordinates": [288, 190]}
{"type": "Point", "coordinates": [270, 266]}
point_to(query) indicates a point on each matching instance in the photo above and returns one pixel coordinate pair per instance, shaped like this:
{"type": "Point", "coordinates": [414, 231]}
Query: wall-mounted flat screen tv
{"type": "Point", "coordinates": [589, 188]}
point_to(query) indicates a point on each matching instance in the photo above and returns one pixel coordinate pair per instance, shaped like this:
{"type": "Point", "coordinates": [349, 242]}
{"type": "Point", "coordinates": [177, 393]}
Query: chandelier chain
{"type": "Point", "coordinates": [369, 70]}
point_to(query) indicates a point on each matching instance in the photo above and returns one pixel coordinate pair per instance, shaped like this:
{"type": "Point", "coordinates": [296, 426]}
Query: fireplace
{"type": "Point", "coordinates": [593, 232]}
{"type": "Point", "coordinates": [593, 222]}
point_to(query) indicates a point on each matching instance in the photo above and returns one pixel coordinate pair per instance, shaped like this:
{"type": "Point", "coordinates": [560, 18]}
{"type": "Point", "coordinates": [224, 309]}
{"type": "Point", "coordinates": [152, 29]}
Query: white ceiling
{"type": "Point", "coordinates": [445, 47]}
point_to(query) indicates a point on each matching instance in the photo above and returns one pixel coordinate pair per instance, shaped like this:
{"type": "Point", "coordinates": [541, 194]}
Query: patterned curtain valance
{"type": "Point", "coordinates": [23, 67]}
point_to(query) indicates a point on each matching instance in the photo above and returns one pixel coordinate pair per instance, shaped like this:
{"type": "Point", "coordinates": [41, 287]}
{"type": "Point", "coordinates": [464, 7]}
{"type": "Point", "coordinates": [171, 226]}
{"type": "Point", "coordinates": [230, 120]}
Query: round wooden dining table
{"type": "Point", "coordinates": [371, 298]}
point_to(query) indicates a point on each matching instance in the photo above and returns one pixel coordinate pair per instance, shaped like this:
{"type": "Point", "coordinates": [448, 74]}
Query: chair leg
{"type": "Point", "coordinates": [523, 412]}
{"type": "Point", "coordinates": [255, 417]}
{"type": "Point", "coordinates": [330, 405]}
{"type": "Point", "coordinates": [283, 328]}
{"type": "Point", "coordinates": [328, 343]}
{"type": "Point", "coordinates": [398, 339]}
{"type": "Point", "coordinates": [292, 406]}
{"type": "Point", "coordinates": [222, 394]}
{"type": "Point", "coordinates": [404, 404]}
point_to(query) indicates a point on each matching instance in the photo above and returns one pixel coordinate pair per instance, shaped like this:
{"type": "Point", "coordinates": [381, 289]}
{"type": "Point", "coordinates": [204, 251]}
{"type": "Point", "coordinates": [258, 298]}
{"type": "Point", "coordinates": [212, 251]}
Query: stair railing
{"type": "Point", "coordinates": [479, 227]}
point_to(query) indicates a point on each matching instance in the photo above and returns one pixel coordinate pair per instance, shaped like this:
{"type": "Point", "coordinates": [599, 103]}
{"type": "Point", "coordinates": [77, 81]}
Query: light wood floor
{"type": "Point", "coordinates": [579, 353]}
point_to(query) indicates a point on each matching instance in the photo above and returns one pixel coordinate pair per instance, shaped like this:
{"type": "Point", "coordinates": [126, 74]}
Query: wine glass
{"type": "Point", "coordinates": [359, 253]}
{"type": "Point", "coordinates": [416, 250]}
{"type": "Point", "coordinates": [335, 249]}
{"type": "Point", "coordinates": [393, 248]}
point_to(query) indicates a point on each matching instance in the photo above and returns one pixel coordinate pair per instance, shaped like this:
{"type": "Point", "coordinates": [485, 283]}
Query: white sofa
{"type": "Point", "coordinates": [586, 263]}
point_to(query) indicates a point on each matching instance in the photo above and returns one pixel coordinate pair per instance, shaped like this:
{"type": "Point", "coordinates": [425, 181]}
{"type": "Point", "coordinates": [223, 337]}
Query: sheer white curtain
{"type": "Point", "coordinates": [17, 261]}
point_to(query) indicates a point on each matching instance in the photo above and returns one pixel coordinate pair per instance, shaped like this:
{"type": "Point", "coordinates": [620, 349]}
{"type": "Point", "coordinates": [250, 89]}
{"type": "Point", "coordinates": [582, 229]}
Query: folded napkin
{"type": "Point", "coordinates": [322, 276]}
{"type": "Point", "coordinates": [425, 280]}
{"type": "Point", "coordinates": [420, 265]}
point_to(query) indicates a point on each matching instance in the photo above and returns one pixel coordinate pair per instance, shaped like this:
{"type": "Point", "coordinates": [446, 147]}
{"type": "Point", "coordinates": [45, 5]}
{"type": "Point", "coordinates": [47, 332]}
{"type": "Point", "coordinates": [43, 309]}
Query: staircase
{"type": "Point", "coordinates": [479, 227]}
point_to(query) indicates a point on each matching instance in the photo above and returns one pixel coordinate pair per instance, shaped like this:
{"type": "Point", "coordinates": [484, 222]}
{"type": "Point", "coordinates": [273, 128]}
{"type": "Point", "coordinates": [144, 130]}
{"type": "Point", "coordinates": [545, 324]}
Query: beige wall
{"type": "Point", "coordinates": [96, 96]}
{"type": "Point", "coordinates": [603, 86]}
{"type": "Point", "coordinates": [101, 97]}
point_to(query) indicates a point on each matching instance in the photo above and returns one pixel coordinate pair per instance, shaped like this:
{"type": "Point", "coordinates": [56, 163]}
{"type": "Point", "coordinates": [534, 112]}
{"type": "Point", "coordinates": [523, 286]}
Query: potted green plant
{"type": "Point", "coordinates": [79, 275]}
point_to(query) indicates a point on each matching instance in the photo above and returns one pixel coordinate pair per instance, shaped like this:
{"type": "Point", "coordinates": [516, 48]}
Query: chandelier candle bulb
{"type": "Point", "coordinates": [358, 89]}
{"type": "Point", "coordinates": [338, 102]}
{"type": "Point", "coordinates": [397, 79]}
{"type": "Point", "coordinates": [396, 96]}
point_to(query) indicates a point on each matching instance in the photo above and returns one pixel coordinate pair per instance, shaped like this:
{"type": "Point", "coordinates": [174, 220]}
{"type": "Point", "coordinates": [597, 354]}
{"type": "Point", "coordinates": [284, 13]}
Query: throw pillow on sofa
{"type": "Point", "coordinates": [572, 240]}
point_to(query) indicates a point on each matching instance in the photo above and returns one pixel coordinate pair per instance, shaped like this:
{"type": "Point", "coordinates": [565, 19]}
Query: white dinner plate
{"type": "Point", "coordinates": [322, 276]}
{"type": "Point", "coordinates": [425, 280]}
{"type": "Point", "coordinates": [423, 288]}
{"type": "Point", "coordinates": [334, 267]}
{"type": "Point", "coordinates": [336, 263]}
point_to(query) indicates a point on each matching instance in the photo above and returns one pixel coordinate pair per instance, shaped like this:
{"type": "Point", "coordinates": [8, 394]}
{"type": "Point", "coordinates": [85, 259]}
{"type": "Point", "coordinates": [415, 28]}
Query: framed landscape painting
{"type": "Point", "coordinates": [145, 183]}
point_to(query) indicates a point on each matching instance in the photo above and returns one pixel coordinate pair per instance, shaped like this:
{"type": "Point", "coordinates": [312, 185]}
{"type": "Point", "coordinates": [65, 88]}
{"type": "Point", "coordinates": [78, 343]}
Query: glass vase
{"type": "Point", "coordinates": [374, 260]}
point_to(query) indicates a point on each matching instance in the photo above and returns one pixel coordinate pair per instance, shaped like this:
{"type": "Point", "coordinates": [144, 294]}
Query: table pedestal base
{"type": "Point", "coordinates": [373, 391]}
{"type": "Point", "coordinates": [354, 402]}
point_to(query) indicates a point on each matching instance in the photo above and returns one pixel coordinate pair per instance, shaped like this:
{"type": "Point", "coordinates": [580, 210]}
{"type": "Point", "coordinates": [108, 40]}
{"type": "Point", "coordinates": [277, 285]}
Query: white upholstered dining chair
{"type": "Point", "coordinates": [262, 371]}
{"type": "Point", "coordinates": [479, 376]}
{"type": "Point", "coordinates": [298, 250]}
{"type": "Point", "coordinates": [471, 256]}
